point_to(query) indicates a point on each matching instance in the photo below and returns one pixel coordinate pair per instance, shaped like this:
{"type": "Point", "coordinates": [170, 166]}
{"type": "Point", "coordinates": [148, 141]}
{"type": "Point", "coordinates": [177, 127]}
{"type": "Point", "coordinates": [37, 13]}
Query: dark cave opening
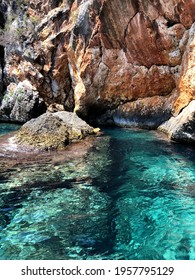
{"type": "Point", "coordinates": [170, 23]}
{"type": "Point", "coordinates": [2, 51]}
{"type": "Point", "coordinates": [2, 20]}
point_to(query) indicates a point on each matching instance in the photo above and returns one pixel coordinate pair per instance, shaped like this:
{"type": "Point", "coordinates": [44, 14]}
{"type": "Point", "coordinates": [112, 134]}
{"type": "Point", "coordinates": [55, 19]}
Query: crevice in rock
{"type": "Point", "coordinates": [170, 22]}
{"type": "Point", "coordinates": [2, 58]}
{"type": "Point", "coordinates": [2, 53]}
{"type": "Point", "coordinates": [137, 10]}
{"type": "Point", "coordinates": [2, 20]}
{"type": "Point", "coordinates": [126, 29]}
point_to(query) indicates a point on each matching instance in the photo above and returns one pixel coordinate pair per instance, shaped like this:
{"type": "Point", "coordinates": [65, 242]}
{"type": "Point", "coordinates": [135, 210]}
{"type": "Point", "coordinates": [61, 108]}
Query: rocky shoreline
{"type": "Point", "coordinates": [13, 155]}
{"type": "Point", "coordinates": [52, 138]}
{"type": "Point", "coordinates": [125, 63]}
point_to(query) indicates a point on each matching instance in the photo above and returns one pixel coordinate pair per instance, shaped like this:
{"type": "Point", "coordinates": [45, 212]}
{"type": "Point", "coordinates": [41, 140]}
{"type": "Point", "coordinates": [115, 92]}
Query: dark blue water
{"type": "Point", "coordinates": [132, 196]}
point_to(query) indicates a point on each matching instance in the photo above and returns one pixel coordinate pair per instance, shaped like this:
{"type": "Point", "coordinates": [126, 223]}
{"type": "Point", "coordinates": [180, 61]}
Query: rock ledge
{"type": "Point", "coordinates": [182, 127]}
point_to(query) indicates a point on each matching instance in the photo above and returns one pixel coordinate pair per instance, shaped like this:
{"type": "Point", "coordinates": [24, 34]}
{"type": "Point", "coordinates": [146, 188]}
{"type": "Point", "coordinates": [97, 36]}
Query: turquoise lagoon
{"type": "Point", "coordinates": [131, 196]}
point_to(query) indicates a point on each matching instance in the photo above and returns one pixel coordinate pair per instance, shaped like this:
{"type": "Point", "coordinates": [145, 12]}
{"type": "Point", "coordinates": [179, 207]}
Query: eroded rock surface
{"type": "Point", "coordinates": [105, 59]}
{"type": "Point", "coordinates": [53, 131]}
{"type": "Point", "coordinates": [21, 103]}
{"type": "Point", "coordinates": [1, 83]}
{"type": "Point", "coordinates": [182, 127]}
{"type": "Point", "coordinates": [186, 82]}
{"type": "Point", "coordinates": [147, 112]}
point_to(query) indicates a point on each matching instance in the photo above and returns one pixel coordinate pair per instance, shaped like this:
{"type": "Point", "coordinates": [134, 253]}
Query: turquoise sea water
{"type": "Point", "coordinates": [132, 196]}
{"type": "Point", "coordinates": [7, 128]}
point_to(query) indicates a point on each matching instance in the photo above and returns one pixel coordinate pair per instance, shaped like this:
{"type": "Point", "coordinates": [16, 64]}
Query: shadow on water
{"type": "Point", "coordinates": [109, 181]}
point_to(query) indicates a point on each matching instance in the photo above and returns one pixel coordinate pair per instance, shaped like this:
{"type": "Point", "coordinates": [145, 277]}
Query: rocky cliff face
{"type": "Point", "coordinates": [125, 62]}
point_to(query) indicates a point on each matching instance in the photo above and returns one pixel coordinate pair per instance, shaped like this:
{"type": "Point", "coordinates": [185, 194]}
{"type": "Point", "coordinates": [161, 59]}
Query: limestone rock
{"type": "Point", "coordinates": [182, 127]}
{"type": "Point", "coordinates": [97, 57]}
{"type": "Point", "coordinates": [1, 81]}
{"type": "Point", "coordinates": [186, 83]}
{"type": "Point", "coordinates": [53, 131]}
{"type": "Point", "coordinates": [135, 52]}
{"type": "Point", "coordinates": [146, 113]}
{"type": "Point", "coordinates": [1, 66]}
{"type": "Point", "coordinates": [21, 103]}
{"type": "Point", "coordinates": [55, 108]}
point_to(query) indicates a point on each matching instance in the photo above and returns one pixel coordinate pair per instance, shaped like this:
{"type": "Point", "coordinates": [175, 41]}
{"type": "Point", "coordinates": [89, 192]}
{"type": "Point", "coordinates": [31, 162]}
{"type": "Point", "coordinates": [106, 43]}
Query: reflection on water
{"type": "Point", "coordinates": [131, 197]}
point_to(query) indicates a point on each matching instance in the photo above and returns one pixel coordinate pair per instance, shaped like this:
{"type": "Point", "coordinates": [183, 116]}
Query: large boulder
{"type": "Point", "coordinates": [182, 127]}
{"type": "Point", "coordinates": [53, 131]}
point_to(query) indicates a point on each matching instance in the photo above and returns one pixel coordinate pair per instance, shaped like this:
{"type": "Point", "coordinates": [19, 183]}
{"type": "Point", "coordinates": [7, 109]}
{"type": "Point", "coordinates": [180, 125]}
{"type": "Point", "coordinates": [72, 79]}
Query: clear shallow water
{"type": "Point", "coordinates": [131, 197]}
{"type": "Point", "coordinates": [7, 128]}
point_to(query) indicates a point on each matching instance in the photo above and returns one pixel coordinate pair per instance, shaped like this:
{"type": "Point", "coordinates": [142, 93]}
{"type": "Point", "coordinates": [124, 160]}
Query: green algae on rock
{"type": "Point", "coordinates": [53, 131]}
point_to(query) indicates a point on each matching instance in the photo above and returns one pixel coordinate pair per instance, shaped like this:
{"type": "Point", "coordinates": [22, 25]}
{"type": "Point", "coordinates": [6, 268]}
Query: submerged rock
{"type": "Point", "coordinates": [53, 131]}
{"type": "Point", "coordinates": [182, 127]}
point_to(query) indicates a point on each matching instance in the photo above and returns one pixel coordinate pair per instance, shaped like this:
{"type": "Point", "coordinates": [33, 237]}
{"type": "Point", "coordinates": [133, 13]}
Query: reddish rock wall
{"type": "Point", "coordinates": [109, 59]}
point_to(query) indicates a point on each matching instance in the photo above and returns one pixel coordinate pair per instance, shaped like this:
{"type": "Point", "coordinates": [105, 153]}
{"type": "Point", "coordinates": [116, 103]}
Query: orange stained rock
{"type": "Point", "coordinates": [186, 86]}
